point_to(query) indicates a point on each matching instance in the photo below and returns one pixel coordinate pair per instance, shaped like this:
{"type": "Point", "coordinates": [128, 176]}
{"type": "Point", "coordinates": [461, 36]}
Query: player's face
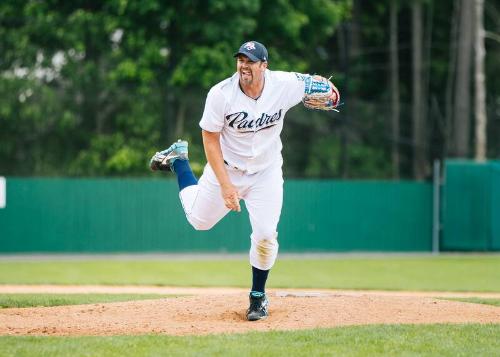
{"type": "Point", "coordinates": [250, 72]}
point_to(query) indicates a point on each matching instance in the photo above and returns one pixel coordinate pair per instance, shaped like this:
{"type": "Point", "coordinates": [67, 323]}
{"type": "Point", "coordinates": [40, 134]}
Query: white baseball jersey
{"type": "Point", "coordinates": [250, 128]}
{"type": "Point", "coordinates": [250, 141]}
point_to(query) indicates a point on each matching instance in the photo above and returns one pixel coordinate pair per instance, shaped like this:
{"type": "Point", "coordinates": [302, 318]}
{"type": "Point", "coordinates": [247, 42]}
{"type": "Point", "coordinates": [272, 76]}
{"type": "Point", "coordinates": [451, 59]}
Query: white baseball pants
{"type": "Point", "coordinates": [263, 196]}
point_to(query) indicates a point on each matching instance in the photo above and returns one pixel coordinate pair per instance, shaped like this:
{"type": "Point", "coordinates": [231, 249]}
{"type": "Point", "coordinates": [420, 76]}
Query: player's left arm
{"type": "Point", "coordinates": [315, 92]}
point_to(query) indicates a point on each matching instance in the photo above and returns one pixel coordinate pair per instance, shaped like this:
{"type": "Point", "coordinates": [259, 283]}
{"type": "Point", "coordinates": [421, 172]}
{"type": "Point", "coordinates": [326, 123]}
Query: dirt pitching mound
{"type": "Point", "coordinates": [212, 310]}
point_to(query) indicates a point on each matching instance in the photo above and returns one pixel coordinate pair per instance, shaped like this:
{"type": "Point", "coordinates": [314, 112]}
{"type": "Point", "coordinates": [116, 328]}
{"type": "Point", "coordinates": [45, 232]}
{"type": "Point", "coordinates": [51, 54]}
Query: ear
{"type": "Point", "coordinates": [264, 64]}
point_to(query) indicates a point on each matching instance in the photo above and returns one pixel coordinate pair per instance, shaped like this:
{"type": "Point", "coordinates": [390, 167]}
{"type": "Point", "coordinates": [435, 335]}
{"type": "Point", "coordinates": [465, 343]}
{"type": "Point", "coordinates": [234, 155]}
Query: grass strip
{"type": "Point", "coordinates": [451, 273]}
{"type": "Point", "coordinates": [372, 340]}
{"type": "Point", "coordinates": [484, 301]}
{"type": "Point", "coordinates": [32, 300]}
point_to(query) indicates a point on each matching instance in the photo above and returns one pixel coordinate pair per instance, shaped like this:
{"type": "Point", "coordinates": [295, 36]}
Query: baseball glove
{"type": "Point", "coordinates": [320, 93]}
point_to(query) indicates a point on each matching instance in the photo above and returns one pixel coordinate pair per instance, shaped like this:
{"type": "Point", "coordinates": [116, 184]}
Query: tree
{"type": "Point", "coordinates": [418, 118]}
{"type": "Point", "coordinates": [121, 79]}
{"type": "Point", "coordinates": [94, 88]}
{"type": "Point", "coordinates": [461, 112]}
{"type": "Point", "coordinates": [450, 81]}
{"type": "Point", "coordinates": [479, 80]}
{"type": "Point", "coordinates": [394, 85]}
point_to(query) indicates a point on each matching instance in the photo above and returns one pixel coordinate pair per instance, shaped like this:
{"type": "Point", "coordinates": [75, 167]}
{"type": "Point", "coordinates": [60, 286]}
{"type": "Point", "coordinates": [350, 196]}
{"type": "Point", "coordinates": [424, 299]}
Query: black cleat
{"type": "Point", "coordinates": [258, 306]}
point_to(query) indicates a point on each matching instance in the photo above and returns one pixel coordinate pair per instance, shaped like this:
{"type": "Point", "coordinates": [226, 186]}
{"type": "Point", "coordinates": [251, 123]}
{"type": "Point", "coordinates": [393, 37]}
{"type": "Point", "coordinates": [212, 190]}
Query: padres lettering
{"type": "Point", "coordinates": [240, 122]}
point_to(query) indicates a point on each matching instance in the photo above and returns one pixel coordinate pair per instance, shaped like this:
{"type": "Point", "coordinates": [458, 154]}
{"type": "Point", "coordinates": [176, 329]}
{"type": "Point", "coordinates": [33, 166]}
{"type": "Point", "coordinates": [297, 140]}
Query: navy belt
{"type": "Point", "coordinates": [228, 164]}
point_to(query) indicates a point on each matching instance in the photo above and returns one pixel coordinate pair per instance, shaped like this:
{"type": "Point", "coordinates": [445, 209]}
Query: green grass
{"type": "Point", "coordinates": [382, 340]}
{"type": "Point", "coordinates": [445, 273]}
{"type": "Point", "coordinates": [29, 300]}
{"type": "Point", "coordinates": [494, 302]}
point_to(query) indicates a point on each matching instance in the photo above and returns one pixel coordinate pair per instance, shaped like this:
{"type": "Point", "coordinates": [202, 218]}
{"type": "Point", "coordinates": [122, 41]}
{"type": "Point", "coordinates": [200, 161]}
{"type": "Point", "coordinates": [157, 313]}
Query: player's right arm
{"type": "Point", "coordinates": [213, 152]}
{"type": "Point", "coordinates": [212, 124]}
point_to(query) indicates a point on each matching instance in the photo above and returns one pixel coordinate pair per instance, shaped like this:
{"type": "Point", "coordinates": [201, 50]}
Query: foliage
{"type": "Point", "coordinates": [94, 88]}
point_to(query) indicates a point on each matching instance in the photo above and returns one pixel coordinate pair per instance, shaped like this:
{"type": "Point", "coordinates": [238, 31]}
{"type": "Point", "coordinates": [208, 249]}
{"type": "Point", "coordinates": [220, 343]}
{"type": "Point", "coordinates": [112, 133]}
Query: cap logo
{"type": "Point", "coordinates": [249, 46]}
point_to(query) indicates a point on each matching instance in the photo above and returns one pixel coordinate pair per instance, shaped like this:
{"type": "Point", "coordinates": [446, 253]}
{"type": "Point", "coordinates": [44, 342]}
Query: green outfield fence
{"type": "Point", "coordinates": [471, 207]}
{"type": "Point", "coordinates": [145, 215]}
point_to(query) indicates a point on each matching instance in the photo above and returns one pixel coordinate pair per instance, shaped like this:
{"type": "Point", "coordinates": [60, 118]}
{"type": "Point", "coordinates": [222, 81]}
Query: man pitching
{"type": "Point", "coordinates": [241, 126]}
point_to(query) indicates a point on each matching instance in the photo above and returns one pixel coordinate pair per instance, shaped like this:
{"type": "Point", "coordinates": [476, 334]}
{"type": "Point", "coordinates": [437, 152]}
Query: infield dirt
{"type": "Point", "coordinates": [222, 310]}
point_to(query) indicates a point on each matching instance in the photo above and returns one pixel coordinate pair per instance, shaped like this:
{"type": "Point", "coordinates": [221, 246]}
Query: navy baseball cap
{"type": "Point", "coordinates": [254, 50]}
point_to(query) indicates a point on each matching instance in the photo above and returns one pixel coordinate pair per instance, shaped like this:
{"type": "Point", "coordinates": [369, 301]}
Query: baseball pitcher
{"type": "Point", "coordinates": [241, 126]}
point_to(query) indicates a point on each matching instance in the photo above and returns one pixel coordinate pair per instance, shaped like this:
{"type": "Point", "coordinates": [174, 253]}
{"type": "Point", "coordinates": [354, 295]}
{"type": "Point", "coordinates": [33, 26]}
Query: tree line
{"type": "Point", "coordinates": [94, 88]}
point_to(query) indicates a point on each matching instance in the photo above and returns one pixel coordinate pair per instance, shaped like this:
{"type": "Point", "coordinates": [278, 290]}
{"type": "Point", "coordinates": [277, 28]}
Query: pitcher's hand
{"type": "Point", "coordinates": [231, 197]}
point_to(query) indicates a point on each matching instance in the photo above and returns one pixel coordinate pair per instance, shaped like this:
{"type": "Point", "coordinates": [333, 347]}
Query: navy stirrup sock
{"type": "Point", "coordinates": [259, 279]}
{"type": "Point", "coordinates": [185, 176]}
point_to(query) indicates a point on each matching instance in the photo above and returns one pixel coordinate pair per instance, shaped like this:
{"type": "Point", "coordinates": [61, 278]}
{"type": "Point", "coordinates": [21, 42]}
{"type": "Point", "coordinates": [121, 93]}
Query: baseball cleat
{"type": "Point", "coordinates": [165, 159]}
{"type": "Point", "coordinates": [258, 306]}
